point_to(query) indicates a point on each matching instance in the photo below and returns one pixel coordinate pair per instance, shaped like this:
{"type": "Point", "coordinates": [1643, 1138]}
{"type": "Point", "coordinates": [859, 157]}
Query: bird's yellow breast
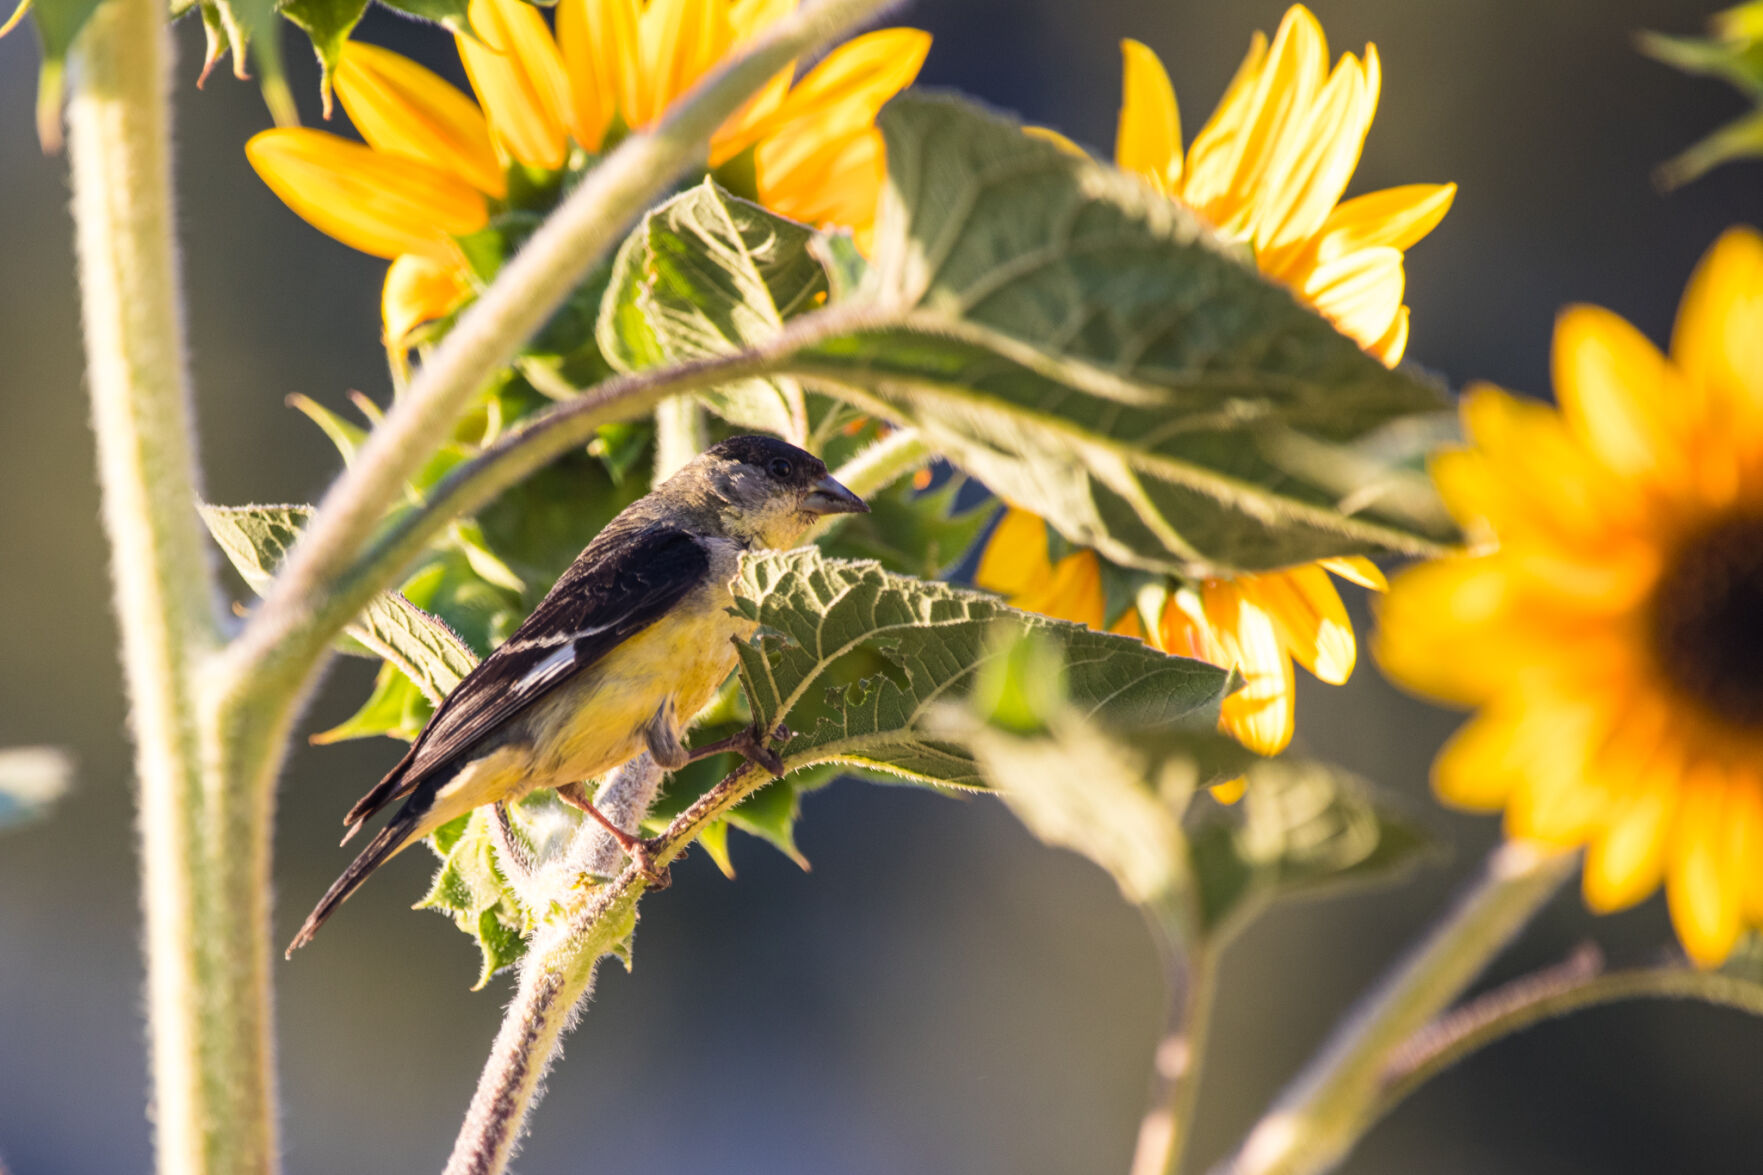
{"type": "Point", "coordinates": [596, 721]}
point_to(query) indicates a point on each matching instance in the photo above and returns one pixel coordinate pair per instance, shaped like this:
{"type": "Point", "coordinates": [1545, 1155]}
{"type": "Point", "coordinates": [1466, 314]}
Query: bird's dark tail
{"type": "Point", "coordinates": [379, 850]}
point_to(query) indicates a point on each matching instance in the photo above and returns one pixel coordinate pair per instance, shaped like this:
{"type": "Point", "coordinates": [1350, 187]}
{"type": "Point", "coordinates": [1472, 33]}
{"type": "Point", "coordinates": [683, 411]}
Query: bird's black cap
{"type": "Point", "coordinates": [762, 451]}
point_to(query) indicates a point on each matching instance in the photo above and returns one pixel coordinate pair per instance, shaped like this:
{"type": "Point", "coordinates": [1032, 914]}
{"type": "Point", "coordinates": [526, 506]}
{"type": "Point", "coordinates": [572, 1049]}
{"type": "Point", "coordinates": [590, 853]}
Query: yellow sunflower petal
{"type": "Point", "coordinates": [598, 42]}
{"type": "Point", "coordinates": [839, 184]}
{"type": "Point", "coordinates": [1718, 338]}
{"type": "Point", "coordinates": [419, 289]}
{"type": "Point", "coordinates": [1230, 793]}
{"type": "Point", "coordinates": [1625, 861]}
{"type": "Point", "coordinates": [1394, 343]}
{"type": "Point", "coordinates": [1475, 770]}
{"type": "Point", "coordinates": [401, 108]}
{"type": "Point", "coordinates": [749, 17]}
{"type": "Point", "coordinates": [1394, 217]}
{"type": "Point", "coordinates": [840, 97]}
{"type": "Point", "coordinates": [1358, 569]}
{"type": "Point", "coordinates": [1015, 558]}
{"type": "Point", "coordinates": [1361, 293]}
{"type": "Point", "coordinates": [1073, 593]}
{"type": "Point", "coordinates": [1274, 121]}
{"type": "Point", "coordinates": [1304, 184]}
{"type": "Point", "coordinates": [1310, 619]}
{"type": "Point", "coordinates": [1530, 446]}
{"type": "Point", "coordinates": [1616, 392]}
{"type": "Point", "coordinates": [1704, 908]}
{"type": "Point", "coordinates": [1260, 714]}
{"type": "Point", "coordinates": [1148, 138]}
{"type": "Point", "coordinates": [681, 39]}
{"type": "Point", "coordinates": [1213, 154]}
{"type": "Point", "coordinates": [374, 202]}
{"type": "Point", "coordinates": [518, 74]}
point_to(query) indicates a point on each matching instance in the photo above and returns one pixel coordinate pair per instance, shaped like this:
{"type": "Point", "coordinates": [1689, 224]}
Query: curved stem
{"type": "Point", "coordinates": [285, 636]}
{"type": "Point", "coordinates": [558, 972]}
{"type": "Point", "coordinates": [1519, 1006]}
{"type": "Point", "coordinates": [213, 1090]}
{"type": "Point", "coordinates": [1192, 973]}
{"type": "Point", "coordinates": [1319, 1117]}
{"type": "Point", "coordinates": [555, 978]}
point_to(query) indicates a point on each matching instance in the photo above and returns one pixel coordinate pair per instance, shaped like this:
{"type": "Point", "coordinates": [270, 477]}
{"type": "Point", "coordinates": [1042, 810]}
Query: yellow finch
{"type": "Point", "coordinates": [630, 644]}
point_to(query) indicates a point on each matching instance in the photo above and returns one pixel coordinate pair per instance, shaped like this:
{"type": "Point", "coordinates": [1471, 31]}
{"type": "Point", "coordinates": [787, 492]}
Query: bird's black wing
{"type": "Point", "coordinates": [611, 592]}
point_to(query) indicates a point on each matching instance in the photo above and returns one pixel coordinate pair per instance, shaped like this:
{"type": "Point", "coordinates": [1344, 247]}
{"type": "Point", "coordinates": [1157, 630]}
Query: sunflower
{"type": "Point", "coordinates": [1608, 624]}
{"type": "Point", "coordinates": [437, 166]}
{"type": "Point", "coordinates": [1268, 169]}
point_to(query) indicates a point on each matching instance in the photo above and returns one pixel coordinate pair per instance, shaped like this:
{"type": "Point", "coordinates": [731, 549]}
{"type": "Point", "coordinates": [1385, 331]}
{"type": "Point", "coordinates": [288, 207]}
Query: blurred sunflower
{"type": "Point", "coordinates": [437, 165]}
{"type": "Point", "coordinates": [1267, 169]}
{"type": "Point", "coordinates": [1609, 622]}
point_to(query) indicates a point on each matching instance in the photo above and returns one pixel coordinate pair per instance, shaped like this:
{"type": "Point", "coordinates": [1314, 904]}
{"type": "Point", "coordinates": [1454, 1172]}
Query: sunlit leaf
{"type": "Point", "coordinates": [705, 274]}
{"type": "Point", "coordinates": [856, 659]}
{"type": "Point", "coordinates": [1091, 351]}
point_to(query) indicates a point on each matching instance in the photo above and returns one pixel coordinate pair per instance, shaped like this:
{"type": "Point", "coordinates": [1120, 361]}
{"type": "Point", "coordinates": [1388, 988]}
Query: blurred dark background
{"type": "Point", "coordinates": [941, 994]}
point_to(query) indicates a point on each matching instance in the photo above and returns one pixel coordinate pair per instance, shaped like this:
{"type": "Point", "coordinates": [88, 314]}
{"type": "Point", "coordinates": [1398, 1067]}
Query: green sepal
{"type": "Point", "coordinates": [327, 24]}
{"type": "Point", "coordinates": [453, 15]}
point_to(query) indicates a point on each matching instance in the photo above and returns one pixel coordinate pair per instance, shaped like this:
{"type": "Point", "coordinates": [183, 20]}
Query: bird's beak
{"type": "Point", "coordinates": [829, 497]}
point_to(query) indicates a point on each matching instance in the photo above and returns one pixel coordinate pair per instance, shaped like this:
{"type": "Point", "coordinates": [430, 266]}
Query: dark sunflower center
{"type": "Point", "coordinates": [1707, 620]}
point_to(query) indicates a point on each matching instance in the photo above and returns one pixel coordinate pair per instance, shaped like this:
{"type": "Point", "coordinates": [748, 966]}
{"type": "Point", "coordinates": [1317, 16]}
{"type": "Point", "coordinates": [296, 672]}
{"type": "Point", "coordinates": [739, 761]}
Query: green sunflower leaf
{"type": "Point", "coordinates": [423, 648]}
{"type": "Point", "coordinates": [1301, 828]}
{"type": "Point", "coordinates": [1091, 351]}
{"type": "Point", "coordinates": [708, 273]}
{"type": "Point", "coordinates": [1123, 794]}
{"type": "Point", "coordinates": [855, 659]}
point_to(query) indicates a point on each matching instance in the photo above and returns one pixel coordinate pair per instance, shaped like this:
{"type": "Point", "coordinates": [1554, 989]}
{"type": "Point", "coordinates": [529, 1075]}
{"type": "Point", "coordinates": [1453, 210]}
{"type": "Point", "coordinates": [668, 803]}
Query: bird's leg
{"type": "Point", "coordinates": [752, 744]}
{"type": "Point", "coordinates": [635, 847]}
{"type": "Point", "coordinates": [661, 735]}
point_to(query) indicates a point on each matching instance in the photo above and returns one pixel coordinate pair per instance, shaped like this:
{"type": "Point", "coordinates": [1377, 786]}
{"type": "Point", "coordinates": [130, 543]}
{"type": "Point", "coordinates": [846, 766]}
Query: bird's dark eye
{"type": "Point", "coordinates": [781, 467]}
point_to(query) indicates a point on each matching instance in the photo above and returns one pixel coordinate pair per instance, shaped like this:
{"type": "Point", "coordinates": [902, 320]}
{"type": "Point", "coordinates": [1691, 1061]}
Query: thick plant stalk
{"type": "Point", "coordinates": [211, 1085]}
{"type": "Point", "coordinates": [1320, 1116]}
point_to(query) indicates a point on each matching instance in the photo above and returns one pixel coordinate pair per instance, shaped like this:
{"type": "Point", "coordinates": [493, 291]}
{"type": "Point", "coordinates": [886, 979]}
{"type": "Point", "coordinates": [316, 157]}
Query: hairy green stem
{"type": "Point", "coordinates": [212, 1089]}
{"type": "Point", "coordinates": [557, 976]}
{"type": "Point", "coordinates": [1323, 1113]}
{"type": "Point", "coordinates": [680, 434]}
{"type": "Point", "coordinates": [286, 636]}
{"type": "Point", "coordinates": [1527, 1002]}
{"type": "Point", "coordinates": [882, 464]}
{"type": "Point", "coordinates": [1192, 974]}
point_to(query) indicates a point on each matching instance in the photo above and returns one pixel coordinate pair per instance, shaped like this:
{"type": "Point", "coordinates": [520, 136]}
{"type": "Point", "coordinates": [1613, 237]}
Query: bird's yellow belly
{"type": "Point", "coordinates": [600, 722]}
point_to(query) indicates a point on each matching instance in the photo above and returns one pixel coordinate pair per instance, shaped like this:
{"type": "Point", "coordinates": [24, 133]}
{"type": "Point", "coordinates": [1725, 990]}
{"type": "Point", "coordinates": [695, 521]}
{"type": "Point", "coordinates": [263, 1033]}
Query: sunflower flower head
{"type": "Point", "coordinates": [1609, 624]}
{"type": "Point", "coordinates": [1268, 169]}
{"type": "Point", "coordinates": [437, 164]}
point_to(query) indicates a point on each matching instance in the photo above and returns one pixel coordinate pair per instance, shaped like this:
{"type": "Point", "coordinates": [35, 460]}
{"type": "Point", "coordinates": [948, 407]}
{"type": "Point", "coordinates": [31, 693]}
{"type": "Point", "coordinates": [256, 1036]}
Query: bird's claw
{"type": "Point", "coordinates": [657, 876]}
